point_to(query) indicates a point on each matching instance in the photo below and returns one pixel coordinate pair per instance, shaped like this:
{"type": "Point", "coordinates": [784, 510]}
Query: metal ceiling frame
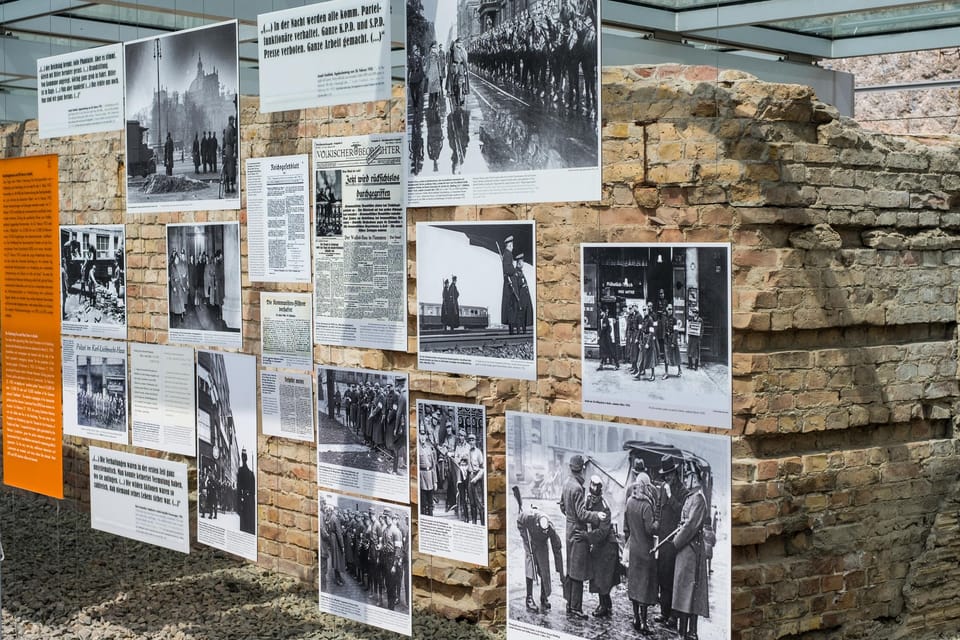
{"type": "Point", "coordinates": [745, 26]}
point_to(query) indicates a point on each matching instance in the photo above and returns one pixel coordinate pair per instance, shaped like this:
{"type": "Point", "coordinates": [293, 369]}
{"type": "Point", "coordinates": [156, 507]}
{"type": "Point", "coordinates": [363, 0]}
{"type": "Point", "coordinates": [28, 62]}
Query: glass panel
{"type": "Point", "coordinates": [864, 23]}
{"type": "Point", "coordinates": [139, 17]}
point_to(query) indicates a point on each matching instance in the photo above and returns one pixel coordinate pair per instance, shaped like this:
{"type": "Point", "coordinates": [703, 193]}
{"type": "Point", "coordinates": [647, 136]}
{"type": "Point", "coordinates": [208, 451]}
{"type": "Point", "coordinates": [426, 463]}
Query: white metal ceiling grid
{"type": "Point", "coordinates": [805, 30]}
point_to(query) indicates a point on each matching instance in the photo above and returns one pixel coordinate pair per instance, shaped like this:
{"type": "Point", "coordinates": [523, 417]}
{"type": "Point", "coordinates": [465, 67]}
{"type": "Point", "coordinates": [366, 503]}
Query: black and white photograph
{"type": "Point", "coordinates": [94, 378]}
{"type": "Point", "coordinates": [182, 131]}
{"type": "Point", "coordinates": [93, 291]}
{"type": "Point", "coordinates": [227, 452]}
{"type": "Point", "coordinates": [476, 298]}
{"type": "Point", "coordinates": [363, 432]}
{"type": "Point", "coordinates": [328, 199]}
{"type": "Point", "coordinates": [616, 531]}
{"type": "Point", "coordinates": [657, 332]}
{"type": "Point", "coordinates": [365, 561]}
{"type": "Point", "coordinates": [498, 88]}
{"type": "Point", "coordinates": [102, 392]}
{"type": "Point", "coordinates": [452, 478]}
{"type": "Point", "coordinates": [203, 284]}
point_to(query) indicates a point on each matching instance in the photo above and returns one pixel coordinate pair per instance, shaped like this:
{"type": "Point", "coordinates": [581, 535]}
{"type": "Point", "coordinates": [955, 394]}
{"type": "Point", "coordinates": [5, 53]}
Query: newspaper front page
{"type": "Point", "coordinates": [360, 242]}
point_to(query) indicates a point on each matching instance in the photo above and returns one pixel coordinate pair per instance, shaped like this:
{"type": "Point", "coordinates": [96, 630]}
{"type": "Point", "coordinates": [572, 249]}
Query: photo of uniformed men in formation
{"type": "Point", "coordinates": [501, 86]}
{"type": "Point", "coordinates": [102, 392]}
{"type": "Point", "coordinates": [363, 420]}
{"type": "Point", "coordinates": [93, 289]}
{"type": "Point", "coordinates": [364, 552]}
{"type": "Point", "coordinates": [638, 544]}
{"type": "Point", "coordinates": [486, 308]}
{"type": "Point", "coordinates": [328, 203]}
{"type": "Point", "coordinates": [656, 330]}
{"type": "Point", "coordinates": [182, 136]}
{"type": "Point", "coordinates": [451, 461]}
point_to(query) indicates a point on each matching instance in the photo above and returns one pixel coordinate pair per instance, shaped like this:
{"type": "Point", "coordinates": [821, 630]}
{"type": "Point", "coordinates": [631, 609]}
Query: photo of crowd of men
{"type": "Point", "coordinates": [638, 544]}
{"type": "Point", "coordinates": [92, 280]}
{"type": "Point", "coordinates": [365, 553]}
{"type": "Point", "coordinates": [363, 420]}
{"type": "Point", "coordinates": [102, 392]}
{"type": "Point", "coordinates": [451, 461]}
{"type": "Point", "coordinates": [328, 203]}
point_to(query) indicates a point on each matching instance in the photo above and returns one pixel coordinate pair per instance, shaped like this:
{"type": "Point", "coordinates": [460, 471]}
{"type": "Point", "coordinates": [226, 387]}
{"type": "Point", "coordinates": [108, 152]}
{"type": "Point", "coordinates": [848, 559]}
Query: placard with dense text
{"type": "Point", "coordinates": [30, 307]}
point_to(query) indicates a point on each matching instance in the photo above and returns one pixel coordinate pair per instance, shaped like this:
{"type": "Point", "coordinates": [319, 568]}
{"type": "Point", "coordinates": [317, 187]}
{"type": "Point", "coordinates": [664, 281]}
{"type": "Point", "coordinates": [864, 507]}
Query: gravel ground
{"type": "Point", "coordinates": [62, 580]}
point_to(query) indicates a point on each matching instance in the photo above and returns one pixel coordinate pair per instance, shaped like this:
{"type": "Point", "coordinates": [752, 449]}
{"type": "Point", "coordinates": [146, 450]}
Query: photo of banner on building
{"type": "Point", "coordinates": [657, 332]}
{"type": "Point", "coordinates": [502, 102]}
{"type": "Point", "coordinates": [616, 531]}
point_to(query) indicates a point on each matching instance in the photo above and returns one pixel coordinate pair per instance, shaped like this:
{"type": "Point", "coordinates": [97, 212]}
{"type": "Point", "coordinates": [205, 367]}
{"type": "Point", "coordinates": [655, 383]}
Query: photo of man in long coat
{"type": "Point", "coordinates": [690, 593]}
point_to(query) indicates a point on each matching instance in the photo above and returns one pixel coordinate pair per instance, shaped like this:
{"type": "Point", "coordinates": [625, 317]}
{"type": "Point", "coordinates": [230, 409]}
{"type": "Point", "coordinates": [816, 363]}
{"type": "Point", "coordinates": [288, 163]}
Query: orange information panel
{"type": "Point", "coordinates": [30, 325]}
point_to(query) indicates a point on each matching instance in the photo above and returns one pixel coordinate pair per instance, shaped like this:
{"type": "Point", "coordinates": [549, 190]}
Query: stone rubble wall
{"type": "Point", "coordinates": [846, 266]}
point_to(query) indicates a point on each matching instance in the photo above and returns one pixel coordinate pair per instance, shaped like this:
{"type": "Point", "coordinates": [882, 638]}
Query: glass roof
{"type": "Point", "coordinates": [877, 21]}
{"type": "Point", "coordinates": [138, 17]}
{"type": "Point", "coordinates": [799, 30]}
{"type": "Point", "coordinates": [680, 5]}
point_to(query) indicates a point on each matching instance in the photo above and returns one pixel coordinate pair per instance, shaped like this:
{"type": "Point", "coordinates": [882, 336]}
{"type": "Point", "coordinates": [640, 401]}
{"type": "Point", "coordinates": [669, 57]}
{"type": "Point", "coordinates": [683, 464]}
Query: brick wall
{"type": "Point", "coordinates": [846, 270]}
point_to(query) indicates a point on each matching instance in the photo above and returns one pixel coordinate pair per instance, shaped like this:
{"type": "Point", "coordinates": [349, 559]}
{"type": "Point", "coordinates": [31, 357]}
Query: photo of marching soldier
{"type": "Point", "coordinates": [501, 86]}
{"type": "Point", "coordinates": [657, 331]}
{"type": "Point", "coordinates": [328, 203]}
{"type": "Point", "coordinates": [93, 292]}
{"type": "Point", "coordinates": [227, 452]}
{"type": "Point", "coordinates": [477, 297]}
{"type": "Point", "coordinates": [451, 474]}
{"type": "Point", "coordinates": [102, 392]}
{"type": "Point", "coordinates": [638, 544]}
{"type": "Point", "coordinates": [182, 136]}
{"type": "Point", "coordinates": [365, 561]}
{"type": "Point", "coordinates": [363, 426]}
{"type": "Point", "coordinates": [203, 280]}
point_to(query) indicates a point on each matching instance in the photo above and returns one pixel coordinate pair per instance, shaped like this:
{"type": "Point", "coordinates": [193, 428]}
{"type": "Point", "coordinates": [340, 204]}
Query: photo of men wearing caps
{"type": "Point", "coordinates": [363, 431]}
{"type": "Point", "coordinates": [365, 561]}
{"type": "Point", "coordinates": [639, 542]}
{"type": "Point", "coordinates": [452, 464]}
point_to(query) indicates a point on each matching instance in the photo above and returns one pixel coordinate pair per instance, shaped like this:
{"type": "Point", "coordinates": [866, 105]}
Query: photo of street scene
{"type": "Point", "coordinates": [657, 332]}
{"type": "Point", "coordinates": [93, 292]}
{"type": "Point", "coordinates": [616, 531]}
{"type": "Point", "coordinates": [227, 452]}
{"type": "Point", "coordinates": [182, 137]}
{"type": "Point", "coordinates": [496, 87]}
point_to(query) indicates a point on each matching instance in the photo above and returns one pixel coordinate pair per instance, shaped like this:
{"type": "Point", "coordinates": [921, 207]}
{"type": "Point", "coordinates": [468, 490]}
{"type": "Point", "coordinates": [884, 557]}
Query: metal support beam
{"type": "Point", "coordinates": [631, 16]}
{"type": "Point", "coordinates": [766, 39]}
{"type": "Point", "coordinates": [896, 42]}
